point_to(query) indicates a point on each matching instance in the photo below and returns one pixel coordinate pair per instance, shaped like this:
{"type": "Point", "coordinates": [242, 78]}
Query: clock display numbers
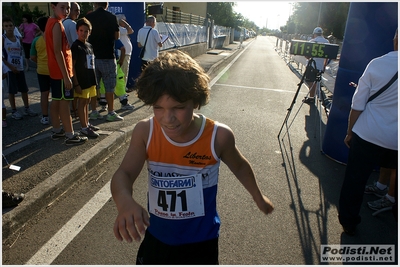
{"type": "Point", "coordinates": [315, 50]}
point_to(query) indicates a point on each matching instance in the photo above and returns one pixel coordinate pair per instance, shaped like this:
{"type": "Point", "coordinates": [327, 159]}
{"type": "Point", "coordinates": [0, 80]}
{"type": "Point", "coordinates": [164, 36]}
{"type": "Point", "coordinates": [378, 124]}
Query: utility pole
{"type": "Point", "coordinates": [319, 13]}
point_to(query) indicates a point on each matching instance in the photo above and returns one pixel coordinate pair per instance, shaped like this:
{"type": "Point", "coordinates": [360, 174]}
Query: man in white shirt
{"type": "Point", "coordinates": [124, 30]}
{"type": "Point", "coordinates": [372, 135]}
{"type": "Point", "coordinates": [70, 24]}
{"type": "Point", "coordinates": [153, 40]}
{"type": "Point", "coordinates": [319, 62]}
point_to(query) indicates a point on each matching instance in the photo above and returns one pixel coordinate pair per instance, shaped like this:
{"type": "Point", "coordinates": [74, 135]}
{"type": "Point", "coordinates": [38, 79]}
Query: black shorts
{"type": "Point", "coordinates": [154, 252]}
{"type": "Point", "coordinates": [58, 90]}
{"type": "Point", "coordinates": [16, 83]}
{"type": "Point", "coordinates": [27, 49]}
{"type": "Point", "coordinates": [44, 82]}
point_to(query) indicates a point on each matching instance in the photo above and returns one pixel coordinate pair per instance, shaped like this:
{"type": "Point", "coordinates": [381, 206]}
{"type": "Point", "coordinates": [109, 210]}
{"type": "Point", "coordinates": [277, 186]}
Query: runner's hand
{"type": "Point", "coordinates": [131, 222]}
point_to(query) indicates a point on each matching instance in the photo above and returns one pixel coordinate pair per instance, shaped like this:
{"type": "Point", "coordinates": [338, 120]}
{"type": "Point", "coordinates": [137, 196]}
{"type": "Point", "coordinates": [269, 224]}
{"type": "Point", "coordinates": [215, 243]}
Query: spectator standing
{"type": "Point", "coordinates": [70, 24]}
{"type": "Point", "coordinates": [16, 77]}
{"type": "Point", "coordinates": [153, 42]}
{"type": "Point", "coordinates": [381, 189]}
{"type": "Point", "coordinates": [124, 31]}
{"type": "Point", "coordinates": [105, 31]}
{"type": "Point", "coordinates": [319, 62]}
{"type": "Point", "coordinates": [28, 31]}
{"type": "Point", "coordinates": [120, 89]}
{"type": "Point", "coordinates": [61, 72]}
{"type": "Point", "coordinates": [39, 56]}
{"type": "Point", "coordinates": [372, 134]}
{"type": "Point", "coordinates": [84, 75]}
{"type": "Point", "coordinates": [70, 30]}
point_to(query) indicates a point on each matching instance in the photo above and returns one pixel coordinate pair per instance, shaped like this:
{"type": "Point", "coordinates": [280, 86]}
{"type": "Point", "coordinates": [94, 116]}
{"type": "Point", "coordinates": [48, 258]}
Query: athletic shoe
{"type": "Point", "coordinates": [374, 190]}
{"type": "Point", "coordinates": [16, 115]}
{"type": "Point", "coordinates": [309, 100]}
{"type": "Point", "coordinates": [11, 200]}
{"type": "Point", "coordinates": [89, 133]}
{"type": "Point", "coordinates": [94, 128]}
{"type": "Point", "coordinates": [56, 136]}
{"type": "Point", "coordinates": [45, 120]}
{"type": "Point", "coordinates": [29, 112]}
{"type": "Point", "coordinates": [114, 117]}
{"type": "Point", "coordinates": [95, 115]}
{"type": "Point", "coordinates": [379, 204]}
{"type": "Point", "coordinates": [127, 106]}
{"type": "Point", "coordinates": [4, 124]}
{"type": "Point", "coordinates": [75, 140]}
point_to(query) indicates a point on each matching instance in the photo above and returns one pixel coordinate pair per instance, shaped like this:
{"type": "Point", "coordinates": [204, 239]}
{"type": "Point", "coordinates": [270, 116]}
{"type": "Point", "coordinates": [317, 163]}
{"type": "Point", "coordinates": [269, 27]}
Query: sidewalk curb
{"type": "Point", "coordinates": [42, 195]}
{"type": "Point", "coordinates": [45, 193]}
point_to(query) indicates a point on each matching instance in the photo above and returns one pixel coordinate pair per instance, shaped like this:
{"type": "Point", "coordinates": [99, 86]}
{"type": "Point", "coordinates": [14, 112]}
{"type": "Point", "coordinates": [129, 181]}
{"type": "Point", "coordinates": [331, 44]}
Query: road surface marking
{"type": "Point", "coordinates": [50, 251]}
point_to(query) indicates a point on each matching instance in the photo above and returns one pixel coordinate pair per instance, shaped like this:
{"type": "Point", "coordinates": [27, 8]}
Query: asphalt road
{"type": "Point", "coordinates": [251, 95]}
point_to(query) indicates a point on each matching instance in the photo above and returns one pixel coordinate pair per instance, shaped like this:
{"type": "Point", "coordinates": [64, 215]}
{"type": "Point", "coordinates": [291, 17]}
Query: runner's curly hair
{"type": "Point", "coordinates": [177, 75]}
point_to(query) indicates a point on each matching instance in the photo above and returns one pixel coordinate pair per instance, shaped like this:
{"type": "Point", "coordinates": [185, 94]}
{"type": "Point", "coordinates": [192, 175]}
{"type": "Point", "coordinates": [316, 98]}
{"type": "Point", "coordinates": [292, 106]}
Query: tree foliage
{"type": "Point", "coordinates": [16, 11]}
{"type": "Point", "coordinates": [330, 16]}
{"type": "Point", "coordinates": [222, 13]}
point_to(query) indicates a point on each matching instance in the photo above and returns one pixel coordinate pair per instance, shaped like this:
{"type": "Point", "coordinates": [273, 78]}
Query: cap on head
{"type": "Point", "coordinates": [317, 30]}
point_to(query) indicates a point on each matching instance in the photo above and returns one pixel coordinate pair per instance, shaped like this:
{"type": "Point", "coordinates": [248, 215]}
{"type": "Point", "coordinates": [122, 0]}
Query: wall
{"type": "Point", "coordinates": [195, 8]}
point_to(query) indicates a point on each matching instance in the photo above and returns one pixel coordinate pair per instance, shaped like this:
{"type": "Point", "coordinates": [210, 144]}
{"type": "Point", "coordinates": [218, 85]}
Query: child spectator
{"type": "Point", "coordinates": [84, 75]}
{"type": "Point", "coordinates": [14, 60]}
{"type": "Point", "coordinates": [182, 149]}
{"type": "Point", "coordinates": [60, 67]}
{"type": "Point", "coordinates": [39, 55]}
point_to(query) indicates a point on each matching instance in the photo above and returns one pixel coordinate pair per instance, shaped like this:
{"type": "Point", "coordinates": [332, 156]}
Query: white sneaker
{"type": "Point", "coordinates": [45, 120]}
{"type": "Point", "coordinates": [114, 117]}
{"type": "Point", "coordinates": [95, 115]}
{"type": "Point", "coordinates": [127, 106]}
{"type": "Point", "coordinates": [29, 112]}
{"type": "Point", "coordinates": [16, 115]}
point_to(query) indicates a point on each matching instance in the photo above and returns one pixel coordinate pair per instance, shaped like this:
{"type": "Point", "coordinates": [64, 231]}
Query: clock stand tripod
{"type": "Point", "coordinates": [314, 75]}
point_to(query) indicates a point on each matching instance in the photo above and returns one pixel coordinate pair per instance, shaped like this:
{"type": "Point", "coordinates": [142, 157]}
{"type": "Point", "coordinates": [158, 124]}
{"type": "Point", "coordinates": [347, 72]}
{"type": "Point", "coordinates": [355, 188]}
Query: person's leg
{"type": "Point", "coordinates": [65, 116]}
{"type": "Point", "coordinates": [82, 108]}
{"type": "Point", "coordinates": [23, 88]}
{"type": "Point", "coordinates": [24, 97]}
{"type": "Point", "coordinates": [11, 98]}
{"type": "Point", "coordinates": [44, 103]}
{"type": "Point", "coordinates": [55, 115]}
{"type": "Point", "coordinates": [110, 80]}
{"type": "Point", "coordinates": [125, 68]}
{"type": "Point", "coordinates": [388, 200]}
{"type": "Point", "coordinates": [56, 95]}
{"type": "Point", "coordinates": [44, 85]}
{"type": "Point", "coordinates": [360, 164]}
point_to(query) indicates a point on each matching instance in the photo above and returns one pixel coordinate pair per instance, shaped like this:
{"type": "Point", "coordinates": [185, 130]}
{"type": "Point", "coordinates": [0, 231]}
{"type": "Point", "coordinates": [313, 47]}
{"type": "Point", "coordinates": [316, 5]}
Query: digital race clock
{"type": "Point", "coordinates": [315, 50]}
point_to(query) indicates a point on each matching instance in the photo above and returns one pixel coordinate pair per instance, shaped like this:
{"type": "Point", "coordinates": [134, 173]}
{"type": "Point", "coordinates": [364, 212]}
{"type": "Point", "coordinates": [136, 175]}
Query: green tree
{"type": "Point", "coordinates": [330, 16]}
{"type": "Point", "coordinates": [222, 13]}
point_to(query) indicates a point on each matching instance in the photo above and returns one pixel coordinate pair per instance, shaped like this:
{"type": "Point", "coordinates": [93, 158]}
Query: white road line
{"type": "Point", "coordinates": [50, 251]}
{"type": "Point", "coordinates": [255, 88]}
{"type": "Point", "coordinates": [227, 67]}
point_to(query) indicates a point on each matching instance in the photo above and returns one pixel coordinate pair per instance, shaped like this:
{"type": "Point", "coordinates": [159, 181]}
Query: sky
{"type": "Point", "coordinates": [273, 13]}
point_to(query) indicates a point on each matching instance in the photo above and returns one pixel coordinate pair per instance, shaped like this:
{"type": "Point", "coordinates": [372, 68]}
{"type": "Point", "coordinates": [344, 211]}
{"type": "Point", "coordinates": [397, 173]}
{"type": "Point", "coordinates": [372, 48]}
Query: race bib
{"type": "Point", "coordinates": [176, 198]}
{"type": "Point", "coordinates": [90, 62]}
{"type": "Point", "coordinates": [16, 61]}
